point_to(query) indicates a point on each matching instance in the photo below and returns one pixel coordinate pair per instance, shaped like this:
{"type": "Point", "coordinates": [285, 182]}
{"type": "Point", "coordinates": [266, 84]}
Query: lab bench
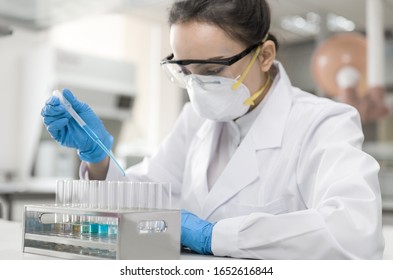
{"type": "Point", "coordinates": [15, 195]}
{"type": "Point", "coordinates": [11, 244]}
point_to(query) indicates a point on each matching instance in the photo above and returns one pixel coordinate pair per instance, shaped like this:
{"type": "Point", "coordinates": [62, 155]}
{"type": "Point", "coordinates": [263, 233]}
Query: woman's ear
{"type": "Point", "coordinates": [267, 55]}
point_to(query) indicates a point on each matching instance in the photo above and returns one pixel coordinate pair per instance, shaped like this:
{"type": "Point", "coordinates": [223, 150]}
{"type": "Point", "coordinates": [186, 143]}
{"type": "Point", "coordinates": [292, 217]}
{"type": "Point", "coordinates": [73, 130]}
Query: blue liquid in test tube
{"type": "Point", "coordinates": [93, 204]}
{"type": "Point", "coordinates": [102, 204]}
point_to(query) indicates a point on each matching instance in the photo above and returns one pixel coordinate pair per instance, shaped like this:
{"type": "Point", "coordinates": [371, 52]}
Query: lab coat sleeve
{"type": "Point", "coordinates": [339, 186]}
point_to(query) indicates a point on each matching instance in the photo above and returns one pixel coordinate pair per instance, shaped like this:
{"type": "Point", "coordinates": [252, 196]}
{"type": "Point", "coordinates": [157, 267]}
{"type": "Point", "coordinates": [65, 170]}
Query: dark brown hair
{"type": "Point", "coordinates": [247, 21]}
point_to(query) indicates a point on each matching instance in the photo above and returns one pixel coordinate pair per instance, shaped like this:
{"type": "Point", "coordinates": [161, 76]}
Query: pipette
{"type": "Point", "coordinates": [85, 127]}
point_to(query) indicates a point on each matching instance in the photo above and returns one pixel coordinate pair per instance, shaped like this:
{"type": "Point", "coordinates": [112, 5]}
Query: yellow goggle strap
{"type": "Point", "coordinates": [250, 101]}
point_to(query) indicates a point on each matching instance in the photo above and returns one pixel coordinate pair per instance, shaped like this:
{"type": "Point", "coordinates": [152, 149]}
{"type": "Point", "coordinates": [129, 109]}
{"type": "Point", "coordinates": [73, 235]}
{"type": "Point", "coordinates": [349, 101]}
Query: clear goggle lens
{"type": "Point", "coordinates": [178, 73]}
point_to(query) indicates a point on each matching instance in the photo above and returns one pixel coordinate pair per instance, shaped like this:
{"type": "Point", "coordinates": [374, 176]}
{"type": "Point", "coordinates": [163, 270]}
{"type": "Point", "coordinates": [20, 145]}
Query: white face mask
{"type": "Point", "coordinates": [222, 99]}
{"type": "Point", "coordinates": [214, 98]}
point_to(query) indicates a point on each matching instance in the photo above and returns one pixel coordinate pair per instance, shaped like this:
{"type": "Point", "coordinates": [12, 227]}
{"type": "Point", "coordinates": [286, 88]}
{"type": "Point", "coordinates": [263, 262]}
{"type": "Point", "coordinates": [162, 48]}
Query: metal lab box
{"type": "Point", "coordinates": [142, 234]}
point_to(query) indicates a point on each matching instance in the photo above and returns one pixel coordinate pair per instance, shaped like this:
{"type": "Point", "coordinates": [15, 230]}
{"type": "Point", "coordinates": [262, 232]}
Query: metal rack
{"type": "Point", "coordinates": [140, 233]}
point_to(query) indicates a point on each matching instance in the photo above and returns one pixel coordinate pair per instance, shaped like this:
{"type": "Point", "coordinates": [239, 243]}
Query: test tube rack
{"type": "Point", "coordinates": [141, 234]}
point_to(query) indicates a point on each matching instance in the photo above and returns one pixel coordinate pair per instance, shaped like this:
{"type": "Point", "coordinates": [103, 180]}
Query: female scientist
{"type": "Point", "coordinates": [261, 169]}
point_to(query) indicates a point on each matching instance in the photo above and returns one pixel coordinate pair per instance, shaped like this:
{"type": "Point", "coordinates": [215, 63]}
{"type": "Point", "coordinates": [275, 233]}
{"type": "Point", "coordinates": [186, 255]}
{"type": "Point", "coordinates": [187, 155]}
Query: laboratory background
{"type": "Point", "coordinates": [108, 53]}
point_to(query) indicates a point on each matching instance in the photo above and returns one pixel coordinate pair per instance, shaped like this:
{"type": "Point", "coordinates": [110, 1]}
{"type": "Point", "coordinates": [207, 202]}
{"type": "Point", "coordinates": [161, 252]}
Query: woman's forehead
{"type": "Point", "coordinates": [195, 40]}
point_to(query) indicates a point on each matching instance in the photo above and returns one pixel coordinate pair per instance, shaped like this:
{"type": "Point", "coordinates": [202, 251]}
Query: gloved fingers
{"type": "Point", "coordinates": [53, 100]}
{"type": "Point", "coordinates": [48, 120]}
{"type": "Point", "coordinates": [75, 103]}
{"type": "Point", "coordinates": [52, 110]}
{"type": "Point", "coordinates": [56, 126]}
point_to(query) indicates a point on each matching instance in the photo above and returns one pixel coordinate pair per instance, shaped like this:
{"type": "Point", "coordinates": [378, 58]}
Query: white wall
{"type": "Point", "coordinates": [142, 40]}
{"type": "Point", "coordinates": [12, 49]}
{"type": "Point", "coordinates": [159, 102]}
{"type": "Point", "coordinates": [133, 37]}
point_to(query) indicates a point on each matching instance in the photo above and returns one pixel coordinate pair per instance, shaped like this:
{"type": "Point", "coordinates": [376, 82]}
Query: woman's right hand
{"type": "Point", "coordinates": [65, 130]}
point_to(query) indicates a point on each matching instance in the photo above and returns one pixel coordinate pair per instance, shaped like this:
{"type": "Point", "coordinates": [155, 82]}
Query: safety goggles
{"type": "Point", "coordinates": [177, 70]}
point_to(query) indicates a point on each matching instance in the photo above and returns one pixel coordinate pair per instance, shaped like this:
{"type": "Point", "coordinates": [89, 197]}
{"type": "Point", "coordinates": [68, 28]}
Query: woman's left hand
{"type": "Point", "coordinates": [196, 233]}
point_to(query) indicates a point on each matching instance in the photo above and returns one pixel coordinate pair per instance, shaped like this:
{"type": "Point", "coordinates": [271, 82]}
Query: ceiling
{"type": "Point", "coordinates": [42, 14]}
{"type": "Point", "coordinates": [354, 10]}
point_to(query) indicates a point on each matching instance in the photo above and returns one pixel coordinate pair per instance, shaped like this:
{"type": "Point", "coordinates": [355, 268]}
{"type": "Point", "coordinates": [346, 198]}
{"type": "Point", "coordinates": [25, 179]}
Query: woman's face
{"type": "Point", "coordinates": [195, 40]}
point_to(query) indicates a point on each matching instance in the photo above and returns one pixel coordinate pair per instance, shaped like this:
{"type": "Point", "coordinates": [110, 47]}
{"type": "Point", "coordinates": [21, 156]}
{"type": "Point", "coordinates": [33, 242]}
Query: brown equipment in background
{"type": "Point", "coordinates": [339, 69]}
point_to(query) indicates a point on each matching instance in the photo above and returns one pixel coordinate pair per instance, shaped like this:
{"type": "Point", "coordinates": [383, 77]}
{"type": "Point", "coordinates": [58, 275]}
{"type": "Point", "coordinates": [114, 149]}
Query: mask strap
{"type": "Point", "coordinates": [254, 57]}
{"type": "Point", "coordinates": [250, 101]}
{"type": "Point", "coordinates": [243, 76]}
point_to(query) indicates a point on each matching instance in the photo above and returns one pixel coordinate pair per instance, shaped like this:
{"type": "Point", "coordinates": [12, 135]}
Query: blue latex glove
{"type": "Point", "coordinates": [65, 130]}
{"type": "Point", "coordinates": [196, 233]}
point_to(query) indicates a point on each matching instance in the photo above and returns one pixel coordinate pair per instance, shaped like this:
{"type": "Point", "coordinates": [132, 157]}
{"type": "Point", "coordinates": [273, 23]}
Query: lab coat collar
{"type": "Point", "coordinates": [268, 128]}
{"type": "Point", "coordinates": [266, 132]}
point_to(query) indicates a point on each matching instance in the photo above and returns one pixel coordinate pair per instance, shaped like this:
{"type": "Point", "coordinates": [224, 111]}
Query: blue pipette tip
{"type": "Point", "coordinates": [121, 169]}
{"type": "Point", "coordinates": [99, 143]}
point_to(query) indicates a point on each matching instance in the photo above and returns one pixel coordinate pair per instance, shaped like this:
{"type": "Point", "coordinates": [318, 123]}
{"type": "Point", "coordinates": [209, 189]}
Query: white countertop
{"type": "Point", "coordinates": [33, 185]}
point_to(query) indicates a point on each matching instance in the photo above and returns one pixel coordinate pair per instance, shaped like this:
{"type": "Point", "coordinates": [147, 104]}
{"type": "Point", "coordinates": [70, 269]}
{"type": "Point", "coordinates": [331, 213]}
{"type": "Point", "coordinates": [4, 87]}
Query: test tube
{"type": "Point", "coordinates": [67, 225]}
{"type": "Point", "coordinates": [102, 204]}
{"type": "Point", "coordinates": [84, 220]}
{"type": "Point", "coordinates": [143, 191]}
{"type": "Point", "coordinates": [59, 201]}
{"type": "Point", "coordinates": [113, 195]}
{"type": "Point", "coordinates": [112, 205]}
{"type": "Point", "coordinates": [166, 195]}
{"type": "Point", "coordinates": [76, 193]}
{"type": "Point", "coordinates": [67, 193]}
{"type": "Point", "coordinates": [122, 195]}
{"type": "Point", "coordinates": [76, 202]}
{"type": "Point", "coordinates": [93, 204]}
{"type": "Point", "coordinates": [133, 194]}
{"type": "Point", "coordinates": [152, 192]}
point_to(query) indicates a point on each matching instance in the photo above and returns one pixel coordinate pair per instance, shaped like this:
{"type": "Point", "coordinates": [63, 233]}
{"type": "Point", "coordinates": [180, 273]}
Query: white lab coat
{"type": "Point", "coordinates": [297, 187]}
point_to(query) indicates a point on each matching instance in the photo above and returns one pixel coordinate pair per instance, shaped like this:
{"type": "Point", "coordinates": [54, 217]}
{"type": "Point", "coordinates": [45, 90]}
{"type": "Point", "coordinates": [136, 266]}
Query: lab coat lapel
{"type": "Point", "coordinates": [240, 171]}
{"type": "Point", "coordinates": [265, 133]}
{"type": "Point", "coordinates": [203, 151]}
